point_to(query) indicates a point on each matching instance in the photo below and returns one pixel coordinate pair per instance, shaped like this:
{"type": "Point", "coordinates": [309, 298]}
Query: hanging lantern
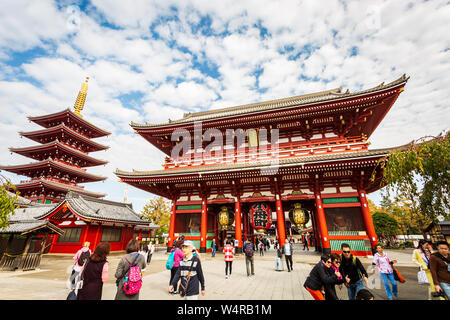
{"type": "Point", "coordinates": [260, 216]}
{"type": "Point", "coordinates": [298, 216]}
{"type": "Point", "coordinates": [225, 218]}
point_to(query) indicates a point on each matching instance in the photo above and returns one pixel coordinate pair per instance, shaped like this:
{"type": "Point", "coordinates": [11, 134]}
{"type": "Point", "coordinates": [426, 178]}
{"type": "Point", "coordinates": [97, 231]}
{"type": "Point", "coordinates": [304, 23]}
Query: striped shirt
{"type": "Point", "coordinates": [196, 276]}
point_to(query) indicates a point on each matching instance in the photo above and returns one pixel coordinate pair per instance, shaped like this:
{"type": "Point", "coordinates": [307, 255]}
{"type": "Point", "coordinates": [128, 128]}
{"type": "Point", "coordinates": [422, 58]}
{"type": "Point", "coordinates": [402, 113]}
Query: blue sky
{"type": "Point", "coordinates": [149, 61]}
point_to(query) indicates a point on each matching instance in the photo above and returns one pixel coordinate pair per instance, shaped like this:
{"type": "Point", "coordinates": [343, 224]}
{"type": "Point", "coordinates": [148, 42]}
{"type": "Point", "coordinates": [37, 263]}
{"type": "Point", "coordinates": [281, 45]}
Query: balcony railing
{"type": "Point", "coordinates": [284, 150]}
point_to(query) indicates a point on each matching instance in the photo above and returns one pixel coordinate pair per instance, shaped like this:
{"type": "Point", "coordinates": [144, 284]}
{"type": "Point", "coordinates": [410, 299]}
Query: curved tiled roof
{"type": "Point", "coordinates": [104, 210]}
{"type": "Point", "coordinates": [98, 132]}
{"type": "Point", "coordinates": [57, 144]}
{"type": "Point", "coordinates": [24, 227]}
{"type": "Point", "coordinates": [261, 164]}
{"type": "Point", "coordinates": [323, 96]}
{"type": "Point", "coordinates": [59, 186]}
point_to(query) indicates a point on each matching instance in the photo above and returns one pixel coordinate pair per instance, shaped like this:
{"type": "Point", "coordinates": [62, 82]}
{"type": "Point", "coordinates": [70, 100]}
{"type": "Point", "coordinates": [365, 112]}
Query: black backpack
{"type": "Point", "coordinates": [83, 257]}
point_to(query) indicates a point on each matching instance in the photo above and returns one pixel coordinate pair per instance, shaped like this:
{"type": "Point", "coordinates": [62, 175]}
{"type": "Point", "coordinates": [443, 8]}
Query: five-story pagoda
{"type": "Point", "coordinates": [62, 155]}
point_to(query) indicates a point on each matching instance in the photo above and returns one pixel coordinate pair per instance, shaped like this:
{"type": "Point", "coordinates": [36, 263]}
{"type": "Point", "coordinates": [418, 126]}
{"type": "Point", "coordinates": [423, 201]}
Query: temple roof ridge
{"type": "Point", "coordinates": [63, 126]}
{"type": "Point", "coordinates": [62, 145]}
{"type": "Point", "coordinates": [56, 163]}
{"type": "Point", "coordinates": [77, 189]}
{"type": "Point", "coordinates": [37, 120]}
{"type": "Point", "coordinates": [321, 96]}
{"type": "Point", "coordinates": [258, 164]}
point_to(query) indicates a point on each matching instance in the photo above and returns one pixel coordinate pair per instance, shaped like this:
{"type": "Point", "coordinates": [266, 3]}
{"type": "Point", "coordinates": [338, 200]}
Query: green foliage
{"type": "Point", "coordinates": [158, 211]}
{"type": "Point", "coordinates": [7, 202]}
{"type": "Point", "coordinates": [420, 176]}
{"type": "Point", "coordinates": [384, 224]}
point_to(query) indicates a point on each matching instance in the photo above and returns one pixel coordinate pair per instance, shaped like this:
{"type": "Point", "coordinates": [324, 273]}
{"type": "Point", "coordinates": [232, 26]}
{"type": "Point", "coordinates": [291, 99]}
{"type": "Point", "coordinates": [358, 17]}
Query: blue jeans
{"type": "Point", "coordinates": [446, 287]}
{"type": "Point", "coordinates": [354, 288]}
{"type": "Point", "coordinates": [213, 252]}
{"type": "Point", "coordinates": [386, 278]}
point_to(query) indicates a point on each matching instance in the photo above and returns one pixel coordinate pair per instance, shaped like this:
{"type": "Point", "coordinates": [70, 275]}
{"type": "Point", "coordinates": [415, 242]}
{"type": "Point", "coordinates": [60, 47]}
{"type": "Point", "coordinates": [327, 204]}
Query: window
{"type": "Point", "coordinates": [111, 235]}
{"type": "Point", "coordinates": [70, 235]}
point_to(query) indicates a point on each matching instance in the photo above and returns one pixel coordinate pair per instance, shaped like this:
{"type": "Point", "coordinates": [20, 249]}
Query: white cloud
{"type": "Point", "coordinates": [189, 67]}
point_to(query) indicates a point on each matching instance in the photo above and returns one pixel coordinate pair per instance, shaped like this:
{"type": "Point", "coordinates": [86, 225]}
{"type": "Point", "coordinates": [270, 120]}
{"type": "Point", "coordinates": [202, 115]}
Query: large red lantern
{"type": "Point", "coordinates": [260, 216]}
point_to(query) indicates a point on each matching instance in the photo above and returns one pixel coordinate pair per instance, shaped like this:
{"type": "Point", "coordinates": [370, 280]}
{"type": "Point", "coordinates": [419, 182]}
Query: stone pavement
{"type": "Point", "coordinates": [49, 283]}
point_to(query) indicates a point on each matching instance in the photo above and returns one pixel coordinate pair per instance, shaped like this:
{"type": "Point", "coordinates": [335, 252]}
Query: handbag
{"type": "Point", "coordinates": [398, 276]}
{"type": "Point", "coordinates": [422, 277]}
{"type": "Point", "coordinates": [188, 277]}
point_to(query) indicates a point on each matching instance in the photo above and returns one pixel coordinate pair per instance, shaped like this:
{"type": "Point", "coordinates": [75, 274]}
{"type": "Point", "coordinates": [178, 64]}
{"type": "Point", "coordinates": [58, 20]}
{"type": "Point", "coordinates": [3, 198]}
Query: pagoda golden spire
{"type": "Point", "coordinates": [79, 103]}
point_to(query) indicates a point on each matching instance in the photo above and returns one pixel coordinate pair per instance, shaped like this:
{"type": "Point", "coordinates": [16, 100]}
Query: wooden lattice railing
{"type": "Point", "coordinates": [24, 262]}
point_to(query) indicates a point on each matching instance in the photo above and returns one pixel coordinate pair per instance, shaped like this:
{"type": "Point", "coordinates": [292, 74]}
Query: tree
{"type": "Point", "coordinates": [8, 201]}
{"type": "Point", "coordinates": [384, 224]}
{"type": "Point", "coordinates": [158, 212]}
{"type": "Point", "coordinates": [419, 176]}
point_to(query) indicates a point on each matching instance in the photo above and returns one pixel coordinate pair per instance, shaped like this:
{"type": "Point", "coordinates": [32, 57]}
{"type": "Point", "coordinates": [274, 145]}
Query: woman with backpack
{"type": "Point", "coordinates": [132, 261]}
{"type": "Point", "coordinates": [228, 251]}
{"type": "Point", "coordinates": [95, 273]}
{"type": "Point", "coordinates": [79, 259]}
{"type": "Point", "coordinates": [177, 257]}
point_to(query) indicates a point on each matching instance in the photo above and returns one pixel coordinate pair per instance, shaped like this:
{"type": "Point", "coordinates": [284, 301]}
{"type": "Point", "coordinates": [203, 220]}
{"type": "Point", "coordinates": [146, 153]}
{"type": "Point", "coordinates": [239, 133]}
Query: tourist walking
{"type": "Point", "coordinates": [352, 267]}
{"type": "Point", "coordinates": [319, 277]}
{"type": "Point", "coordinates": [261, 248]}
{"type": "Point", "coordinates": [178, 256]}
{"type": "Point", "coordinates": [421, 256]}
{"type": "Point", "coordinates": [228, 251]}
{"type": "Point", "coordinates": [213, 248]}
{"type": "Point", "coordinates": [95, 273]}
{"type": "Point", "coordinates": [151, 249]}
{"type": "Point", "coordinates": [191, 274]}
{"type": "Point", "coordinates": [278, 261]}
{"type": "Point", "coordinates": [305, 241]}
{"type": "Point", "coordinates": [249, 251]}
{"type": "Point", "coordinates": [129, 260]}
{"type": "Point", "coordinates": [143, 250]}
{"type": "Point", "coordinates": [440, 269]}
{"type": "Point", "coordinates": [384, 264]}
{"type": "Point", "coordinates": [330, 289]}
{"type": "Point", "coordinates": [288, 250]}
{"type": "Point", "coordinates": [79, 259]}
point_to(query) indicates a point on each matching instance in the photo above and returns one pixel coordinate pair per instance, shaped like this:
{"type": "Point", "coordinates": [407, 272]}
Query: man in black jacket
{"type": "Point", "coordinates": [352, 267]}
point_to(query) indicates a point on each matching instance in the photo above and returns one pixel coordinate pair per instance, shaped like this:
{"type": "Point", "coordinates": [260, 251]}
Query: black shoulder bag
{"type": "Point", "coordinates": [188, 277]}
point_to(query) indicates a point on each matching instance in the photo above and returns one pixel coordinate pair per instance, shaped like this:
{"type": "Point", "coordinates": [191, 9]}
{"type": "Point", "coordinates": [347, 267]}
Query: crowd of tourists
{"type": "Point", "coordinates": [346, 269]}
{"type": "Point", "coordinates": [90, 270]}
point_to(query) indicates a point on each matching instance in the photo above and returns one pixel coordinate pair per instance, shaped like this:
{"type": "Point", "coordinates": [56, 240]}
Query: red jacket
{"type": "Point", "coordinates": [228, 251]}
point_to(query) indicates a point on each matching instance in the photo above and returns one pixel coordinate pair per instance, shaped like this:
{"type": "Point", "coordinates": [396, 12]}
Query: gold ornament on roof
{"type": "Point", "coordinates": [79, 103]}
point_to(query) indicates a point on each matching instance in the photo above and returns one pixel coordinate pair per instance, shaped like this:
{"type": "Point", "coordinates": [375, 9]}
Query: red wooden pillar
{"type": "Point", "coordinates": [172, 226]}
{"type": "Point", "coordinates": [204, 226]}
{"type": "Point", "coordinates": [322, 221]}
{"type": "Point", "coordinates": [367, 218]}
{"type": "Point", "coordinates": [237, 224]}
{"type": "Point", "coordinates": [245, 226]}
{"type": "Point", "coordinates": [280, 220]}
